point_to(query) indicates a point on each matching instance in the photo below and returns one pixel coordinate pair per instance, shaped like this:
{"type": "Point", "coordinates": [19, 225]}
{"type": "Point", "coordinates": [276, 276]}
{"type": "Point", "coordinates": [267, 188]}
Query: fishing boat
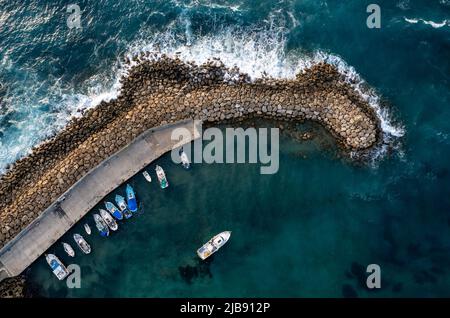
{"type": "Point", "coordinates": [120, 201]}
{"type": "Point", "coordinates": [213, 245]}
{"type": "Point", "coordinates": [131, 199]}
{"type": "Point", "coordinates": [161, 177]}
{"type": "Point", "coordinates": [68, 249]}
{"type": "Point", "coordinates": [82, 244]}
{"type": "Point", "coordinates": [184, 159]}
{"type": "Point", "coordinates": [147, 176]}
{"type": "Point", "coordinates": [114, 210]}
{"type": "Point", "coordinates": [102, 227]}
{"type": "Point", "coordinates": [109, 220]}
{"type": "Point", "coordinates": [87, 228]}
{"type": "Point", "coordinates": [57, 266]}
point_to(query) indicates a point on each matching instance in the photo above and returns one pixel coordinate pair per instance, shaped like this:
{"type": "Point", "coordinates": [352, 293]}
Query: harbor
{"type": "Point", "coordinates": [167, 90]}
{"type": "Point", "coordinates": [34, 240]}
{"type": "Point", "coordinates": [358, 92]}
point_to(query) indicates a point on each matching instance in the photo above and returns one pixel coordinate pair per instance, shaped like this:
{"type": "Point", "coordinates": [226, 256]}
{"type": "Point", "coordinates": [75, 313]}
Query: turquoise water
{"type": "Point", "coordinates": [309, 230]}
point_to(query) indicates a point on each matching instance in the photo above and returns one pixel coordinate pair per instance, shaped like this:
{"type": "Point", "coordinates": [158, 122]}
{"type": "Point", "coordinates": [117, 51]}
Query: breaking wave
{"type": "Point", "coordinates": [258, 51]}
{"type": "Point", "coordinates": [263, 54]}
{"type": "Point", "coordinates": [435, 25]}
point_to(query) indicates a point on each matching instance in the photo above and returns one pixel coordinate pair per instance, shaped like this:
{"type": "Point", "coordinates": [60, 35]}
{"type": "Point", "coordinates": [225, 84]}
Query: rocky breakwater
{"type": "Point", "coordinates": [162, 90]}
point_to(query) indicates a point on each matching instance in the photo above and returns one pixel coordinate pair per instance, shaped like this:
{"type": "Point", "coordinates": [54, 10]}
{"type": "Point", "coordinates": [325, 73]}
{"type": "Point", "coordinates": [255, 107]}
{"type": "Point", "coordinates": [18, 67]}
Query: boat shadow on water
{"type": "Point", "coordinates": [141, 209]}
{"type": "Point", "coordinates": [201, 269]}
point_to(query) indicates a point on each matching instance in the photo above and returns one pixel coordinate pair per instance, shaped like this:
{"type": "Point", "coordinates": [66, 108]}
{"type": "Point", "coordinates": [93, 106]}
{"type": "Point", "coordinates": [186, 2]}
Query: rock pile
{"type": "Point", "coordinates": [157, 92]}
{"type": "Point", "coordinates": [13, 287]}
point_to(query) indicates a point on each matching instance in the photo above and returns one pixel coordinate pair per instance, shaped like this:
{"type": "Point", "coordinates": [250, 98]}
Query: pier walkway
{"type": "Point", "coordinates": [59, 217]}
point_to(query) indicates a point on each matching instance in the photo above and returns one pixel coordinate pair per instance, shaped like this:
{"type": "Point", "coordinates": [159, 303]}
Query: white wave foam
{"type": "Point", "coordinates": [207, 4]}
{"type": "Point", "coordinates": [48, 115]}
{"type": "Point", "coordinates": [257, 52]}
{"type": "Point", "coordinates": [433, 24]}
{"type": "Point", "coordinates": [414, 21]}
{"type": "Point", "coordinates": [263, 53]}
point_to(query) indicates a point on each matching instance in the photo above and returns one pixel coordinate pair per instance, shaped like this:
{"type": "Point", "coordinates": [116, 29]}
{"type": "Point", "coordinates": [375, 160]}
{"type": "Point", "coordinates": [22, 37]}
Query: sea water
{"type": "Point", "coordinates": [309, 230]}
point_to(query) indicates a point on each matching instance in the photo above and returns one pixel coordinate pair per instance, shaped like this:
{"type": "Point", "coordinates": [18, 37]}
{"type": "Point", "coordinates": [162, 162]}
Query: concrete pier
{"type": "Point", "coordinates": [78, 200]}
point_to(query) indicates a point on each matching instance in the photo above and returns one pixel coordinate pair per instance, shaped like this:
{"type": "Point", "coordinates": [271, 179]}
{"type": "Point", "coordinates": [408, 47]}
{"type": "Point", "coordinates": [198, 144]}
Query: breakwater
{"type": "Point", "coordinates": [164, 90]}
{"type": "Point", "coordinates": [79, 199]}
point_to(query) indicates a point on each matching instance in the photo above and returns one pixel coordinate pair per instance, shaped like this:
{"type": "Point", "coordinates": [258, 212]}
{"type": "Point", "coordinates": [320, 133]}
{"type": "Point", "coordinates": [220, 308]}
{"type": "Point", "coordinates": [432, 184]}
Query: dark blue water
{"type": "Point", "coordinates": [306, 231]}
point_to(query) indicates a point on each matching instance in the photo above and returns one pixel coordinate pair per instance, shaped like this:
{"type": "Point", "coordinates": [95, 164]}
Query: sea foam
{"type": "Point", "coordinates": [435, 25]}
{"type": "Point", "coordinates": [258, 52]}
{"type": "Point", "coordinates": [262, 53]}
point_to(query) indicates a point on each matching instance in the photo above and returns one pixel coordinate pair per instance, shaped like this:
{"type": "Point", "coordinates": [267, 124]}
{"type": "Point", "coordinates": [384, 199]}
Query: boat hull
{"type": "Point", "coordinates": [131, 199]}
{"type": "Point", "coordinates": [163, 183]}
{"type": "Point", "coordinates": [109, 220]}
{"type": "Point", "coordinates": [147, 176]}
{"type": "Point", "coordinates": [213, 245]}
{"type": "Point", "coordinates": [116, 213]}
{"type": "Point", "coordinates": [127, 214]}
{"type": "Point", "coordinates": [87, 228]}
{"type": "Point", "coordinates": [58, 268]}
{"type": "Point", "coordinates": [185, 161]}
{"type": "Point", "coordinates": [82, 244]}
{"type": "Point", "coordinates": [101, 226]}
{"type": "Point", "coordinates": [69, 250]}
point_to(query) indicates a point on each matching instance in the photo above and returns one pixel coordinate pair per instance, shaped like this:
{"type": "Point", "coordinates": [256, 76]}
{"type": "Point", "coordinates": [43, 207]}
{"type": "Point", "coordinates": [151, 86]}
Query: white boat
{"type": "Point", "coordinates": [213, 245]}
{"type": "Point", "coordinates": [161, 177]}
{"type": "Point", "coordinates": [109, 220]}
{"type": "Point", "coordinates": [68, 249]}
{"type": "Point", "coordinates": [147, 176]}
{"type": "Point", "coordinates": [82, 244]}
{"type": "Point", "coordinates": [121, 203]}
{"type": "Point", "coordinates": [184, 159]}
{"type": "Point", "coordinates": [57, 266]}
{"type": "Point", "coordinates": [87, 228]}
{"type": "Point", "coordinates": [102, 227]}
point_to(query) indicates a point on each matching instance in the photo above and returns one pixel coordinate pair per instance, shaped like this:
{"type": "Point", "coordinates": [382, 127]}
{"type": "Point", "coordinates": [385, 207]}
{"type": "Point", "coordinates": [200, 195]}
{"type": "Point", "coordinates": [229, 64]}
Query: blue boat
{"type": "Point", "coordinates": [120, 201]}
{"type": "Point", "coordinates": [102, 227]}
{"type": "Point", "coordinates": [116, 213]}
{"type": "Point", "coordinates": [131, 199]}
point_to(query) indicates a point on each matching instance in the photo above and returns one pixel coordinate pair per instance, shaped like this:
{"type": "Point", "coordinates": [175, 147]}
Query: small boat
{"type": "Point", "coordinates": [109, 220]}
{"type": "Point", "coordinates": [161, 177]}
{"type": "Point", "coordinates": [114, 210]}
{"type": "Point", "coordinates": [68, 249]}
{"type": "Point", "coordinates": [102, 227]}
{"type": "Point", "coordinates": [184, 159]}
{"type": "Point", "coordinates": [87, 228]}
{"type": "Point", "coordinates": [57, 266]}
{"type": "Point", "coordinates": [131, 199]}
{"type": "Point", "coordinates": [82, 244]}
{"type": "Point", "coordinates": [213, 245]}
{"type": "Point", "coordinates": [120, 201]}
{"type": "Point", "coordinates": [147, 176]}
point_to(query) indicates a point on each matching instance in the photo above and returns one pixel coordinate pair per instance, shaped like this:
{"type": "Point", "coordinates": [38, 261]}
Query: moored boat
{"type": "Point", "coordinates": [68, 249]}
{"type": "Point", "coordinates": [161, 177]}
{"type": "Point", "coordinates": [184, 159]}
{"type": "Point", "coordinates": [120, 201]}
{"type": "Point", "coordinates": [147, 176]}
{"type": "Point", "coordinates": [131, 199]}
{"type": "Point", "coordinates": [57, 266]}
{"type": "Point", "coordinates": [114, 210]}
{"type": "Point", "coordinates": [213, 245]}
{"type": "Point", "coordinates": [82, 244]}
{"type": "Point", "coordinates": [109, 220]}
{"type": "Point", "coordinates": [102, 227]}
{"type": "Point", "coordinates": [87, 228]}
